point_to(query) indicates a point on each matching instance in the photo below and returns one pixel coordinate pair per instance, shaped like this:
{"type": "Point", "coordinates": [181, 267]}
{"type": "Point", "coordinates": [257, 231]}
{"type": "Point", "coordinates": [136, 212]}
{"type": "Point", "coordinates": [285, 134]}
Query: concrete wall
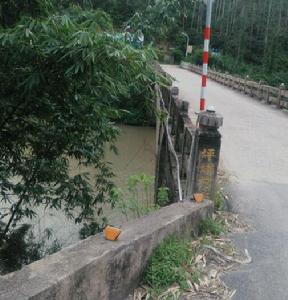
{"type": "Point", "coordinates": [98, 269]}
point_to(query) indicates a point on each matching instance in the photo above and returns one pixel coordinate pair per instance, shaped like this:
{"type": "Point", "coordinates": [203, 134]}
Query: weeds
{"type": "Point", "coordinates": [139, 201]}
{"type": "Point", "coordinates": [163, 196]}
{"type": "Point", "coordinates": [181, 269]}
{"type": "Point", "coordinates": [174, 265]}
{"type": "Point", "coordinates": [220, 200]}
{"type": "Point", "coordinates": [211, 226]}
{"type": "Point", "coordinates": [170, 264]}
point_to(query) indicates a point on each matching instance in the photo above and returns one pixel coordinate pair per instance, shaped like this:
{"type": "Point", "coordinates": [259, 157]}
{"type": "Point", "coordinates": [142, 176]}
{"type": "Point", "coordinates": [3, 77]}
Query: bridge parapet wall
{"type": "Point", "coordinates": [187, 154]}
{"type": "Point", "coordinates": [97, 269]}
{"type": "Point", "coordinates": [269, 94]}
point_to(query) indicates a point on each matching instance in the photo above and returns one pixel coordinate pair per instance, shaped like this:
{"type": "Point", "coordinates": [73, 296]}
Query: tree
{"type": "Point", "coordinates": [252, 33]}
{"type": "Point", "coordinates": [61, 82]}
{"type": "Point", "coordinates": [12, 10]}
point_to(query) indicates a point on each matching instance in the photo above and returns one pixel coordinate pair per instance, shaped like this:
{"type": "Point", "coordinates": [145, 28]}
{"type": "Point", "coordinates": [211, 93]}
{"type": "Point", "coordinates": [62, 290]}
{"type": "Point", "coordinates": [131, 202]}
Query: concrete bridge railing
{"type": "Point", "coordinates": [269, 94]}
{"type": "Point", "coordinates": [95, 268]}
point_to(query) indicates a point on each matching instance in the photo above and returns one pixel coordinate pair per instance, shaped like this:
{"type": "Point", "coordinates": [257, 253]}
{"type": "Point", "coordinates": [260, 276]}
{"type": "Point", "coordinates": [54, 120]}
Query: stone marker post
{"type": "Point", "coordinates": [207, 145]}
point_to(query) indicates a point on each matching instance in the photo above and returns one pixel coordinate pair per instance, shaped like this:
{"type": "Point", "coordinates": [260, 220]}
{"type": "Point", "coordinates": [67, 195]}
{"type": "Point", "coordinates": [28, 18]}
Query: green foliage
{"type": "Point", "coordinates": [92, 228]}
{"type": "Point", "coordinates": [178, 55]}
{"type": "Point", "coordinates": [139, 201]}
{"type": "Point", "coordinates": [21, 247]}
{"type": "Point", "coordinates": [219, 201]}
{"type": "Point", "coordinates": [63, 81]}
{"type": "Point", "coordinates": [121, 11]}
{"type": "Point", "coordinates": [163, 196]}
{"type": "Point", "coordinates": [210, 226]}
{"type": "Point", "coordinates": [197, 57]}
{"type": "Point", "coordinates": [161, 20]}
{"type": "Point", "coordinates": [226, 63]}
{"type": "Point", "coordinates": [168, 264]}
{"type": "Point", "coordinates": [12, 10]}
{"type": "Point", "coordinates": [97, 20]}
{"type": "Point", "coordinates": [250, 35]}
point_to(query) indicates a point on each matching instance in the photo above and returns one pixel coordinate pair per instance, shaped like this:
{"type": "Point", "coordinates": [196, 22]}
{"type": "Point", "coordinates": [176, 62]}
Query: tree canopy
{"type": "Point", "coordinates": [250, 36]}
{"type": "Point", "coordinates": [63, 79]}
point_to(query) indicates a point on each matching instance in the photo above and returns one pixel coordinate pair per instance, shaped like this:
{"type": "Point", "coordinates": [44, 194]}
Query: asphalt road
{"type": "Point", "coordinates": [255, 154]}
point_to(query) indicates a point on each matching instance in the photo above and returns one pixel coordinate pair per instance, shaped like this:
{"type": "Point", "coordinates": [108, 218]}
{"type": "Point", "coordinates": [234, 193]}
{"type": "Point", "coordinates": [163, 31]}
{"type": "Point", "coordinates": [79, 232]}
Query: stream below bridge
{"type": "Point", "coordinates": [136, 147]}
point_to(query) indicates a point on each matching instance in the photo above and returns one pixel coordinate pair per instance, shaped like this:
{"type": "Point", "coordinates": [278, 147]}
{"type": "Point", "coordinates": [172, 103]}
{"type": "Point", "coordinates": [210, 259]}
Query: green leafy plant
{"type": "Point", "coordinates": [11, 11]}
{"type": "Point", "coordinates": [22, 247]}
{"type": "Point", "coordinates": [211, 226]}
{"type": "Point", "coordinates": [63, 82]}
{"type": "Point", "coordinates": [140, 201]}
{"type": "Point", "coordinates": [219, 201]}
{"type": "Point", "coordinates": [168, 264]}
{"type": "Point", "coordinates": [92, 228]}
{"type": "Point", "coordinates": [163, 196]}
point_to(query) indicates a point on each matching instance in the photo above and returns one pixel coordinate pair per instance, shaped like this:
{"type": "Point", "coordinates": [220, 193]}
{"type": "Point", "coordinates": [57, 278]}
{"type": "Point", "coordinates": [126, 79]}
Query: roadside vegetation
{"type": "Point", "coordinates": [66, 81]}
{"type": "Point", "coordinates": [248, 37]}
{"type": "Point", "coordinates": [68, 77]}
{"type": "Point", "coordinates": [135, 200]}
{"type": "Point", "coordinates": [173, 267]}
{"type": "Point", "coordinates": [191, 268]}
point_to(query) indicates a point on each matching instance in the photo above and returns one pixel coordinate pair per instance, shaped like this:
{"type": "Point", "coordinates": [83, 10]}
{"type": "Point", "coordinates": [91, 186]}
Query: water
{"type": "Point", "coordinates": [136, 146]}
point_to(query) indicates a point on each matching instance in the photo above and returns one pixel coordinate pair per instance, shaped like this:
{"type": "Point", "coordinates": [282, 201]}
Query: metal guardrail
{"type": "Point", "coordinates": [269, 94]}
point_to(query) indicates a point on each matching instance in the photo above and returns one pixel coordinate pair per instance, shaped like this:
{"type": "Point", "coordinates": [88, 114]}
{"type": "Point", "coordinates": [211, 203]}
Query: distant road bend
{"type": "Point", "coordinates": [255, 154]}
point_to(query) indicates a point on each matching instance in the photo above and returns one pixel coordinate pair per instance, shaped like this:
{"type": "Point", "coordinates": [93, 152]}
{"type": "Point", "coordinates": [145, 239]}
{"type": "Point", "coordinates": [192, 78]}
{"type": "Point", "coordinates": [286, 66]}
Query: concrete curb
{"type": "Point", "coordinates": [98, 269]}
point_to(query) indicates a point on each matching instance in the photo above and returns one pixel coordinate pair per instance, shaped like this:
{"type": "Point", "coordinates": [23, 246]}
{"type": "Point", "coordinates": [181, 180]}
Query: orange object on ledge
{"type": "Point", "coordinates": [198, 197]}
{"type": "Point", "coordinates": [111, 233]}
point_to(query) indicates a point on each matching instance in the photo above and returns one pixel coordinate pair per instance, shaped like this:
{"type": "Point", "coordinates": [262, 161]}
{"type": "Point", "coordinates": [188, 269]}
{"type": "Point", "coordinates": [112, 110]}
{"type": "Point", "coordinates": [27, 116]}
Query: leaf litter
{"type": "Point", "coordinates": [214, 255]}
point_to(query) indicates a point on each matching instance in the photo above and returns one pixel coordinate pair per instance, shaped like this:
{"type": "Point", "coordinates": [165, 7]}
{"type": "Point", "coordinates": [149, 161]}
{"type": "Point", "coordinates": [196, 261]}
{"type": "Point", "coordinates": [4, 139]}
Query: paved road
{"type": "Point", "coordinates": [255, 154]}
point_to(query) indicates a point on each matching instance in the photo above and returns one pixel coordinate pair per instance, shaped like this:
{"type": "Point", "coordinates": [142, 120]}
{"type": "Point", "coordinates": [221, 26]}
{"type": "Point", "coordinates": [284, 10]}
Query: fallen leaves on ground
{"type": "Point", "coordinates": [215, 255]}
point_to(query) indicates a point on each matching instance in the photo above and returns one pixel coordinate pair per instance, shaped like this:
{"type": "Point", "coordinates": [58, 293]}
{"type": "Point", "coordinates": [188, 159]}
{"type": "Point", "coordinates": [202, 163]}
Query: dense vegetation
{"type": "Point", "coordinates": [248, 36]}
{"type": "Point", "coordinates": [67, 76]}
{"type": "Point", "coordinates": [251, 37]}
{"type": "Point", "coordinates": [65, 79]}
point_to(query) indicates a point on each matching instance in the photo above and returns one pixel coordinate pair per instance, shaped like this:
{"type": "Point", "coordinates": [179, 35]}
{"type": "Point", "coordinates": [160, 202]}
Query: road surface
{"type": "Point", "coordinates": [255, 154]}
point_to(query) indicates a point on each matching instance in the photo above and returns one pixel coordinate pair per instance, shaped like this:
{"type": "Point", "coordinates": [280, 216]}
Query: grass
{"type": "Point", "coordinates": [219, 201]}
{"type": "Point", "coordinates": [173, 262]}
{"type": "Point", "coordinates": [211, 227]}
{"type": "Point", "coordinates": [139, 199]}
{"type": "Point", "coordinates": [170, 264]}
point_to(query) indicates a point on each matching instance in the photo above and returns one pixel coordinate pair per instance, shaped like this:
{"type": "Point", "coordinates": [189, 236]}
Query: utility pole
{"type": "Point", "coordinates": [207, 34]}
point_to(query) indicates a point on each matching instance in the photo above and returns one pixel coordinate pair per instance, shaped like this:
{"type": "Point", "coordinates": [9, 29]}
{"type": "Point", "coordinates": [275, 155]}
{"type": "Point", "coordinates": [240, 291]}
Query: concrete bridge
{"type": "Point", "coordinates": [255, 155]}
{"type": "Point", "coordinates": [187, 161]}
{"type": "Point", "coordinates": [255, 151]}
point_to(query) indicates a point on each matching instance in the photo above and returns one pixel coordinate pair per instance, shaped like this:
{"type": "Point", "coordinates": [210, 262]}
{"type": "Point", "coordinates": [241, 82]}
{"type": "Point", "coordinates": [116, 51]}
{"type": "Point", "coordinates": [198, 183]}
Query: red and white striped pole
{"type": "Point", "coordinates": [207, 33]}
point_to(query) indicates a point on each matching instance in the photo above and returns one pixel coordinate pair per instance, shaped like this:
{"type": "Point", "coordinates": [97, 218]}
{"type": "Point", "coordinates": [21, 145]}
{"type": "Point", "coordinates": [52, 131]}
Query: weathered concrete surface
{"type": "Point", "coordinates": [98, 269]}
{"type": "Point", "coordinates": [255, 153]}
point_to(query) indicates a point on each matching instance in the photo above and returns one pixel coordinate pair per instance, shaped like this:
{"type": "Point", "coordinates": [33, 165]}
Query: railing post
{"type": "Point", "coordinates": [207, 152]}
{"type": "Point", "coordinates": [259, 95]}
{"type": "Point", "coordinates": [281, 88]}
{"type": "Point", "coordinates": [245, 83]}
{"type": "Point", "coordinates": [268, 95]}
